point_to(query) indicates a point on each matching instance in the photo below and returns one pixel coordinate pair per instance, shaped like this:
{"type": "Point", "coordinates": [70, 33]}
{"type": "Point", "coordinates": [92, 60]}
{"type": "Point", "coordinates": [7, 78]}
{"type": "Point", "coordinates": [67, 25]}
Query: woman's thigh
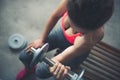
{"type": "Point", "coordinates": [56, 39]}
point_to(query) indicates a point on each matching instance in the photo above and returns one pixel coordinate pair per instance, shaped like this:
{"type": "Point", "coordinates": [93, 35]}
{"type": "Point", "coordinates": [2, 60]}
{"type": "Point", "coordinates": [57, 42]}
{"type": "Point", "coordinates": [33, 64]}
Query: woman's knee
{"type": "Point", "coordinates": [38, 73]}
{"type": "Point", "coordinates": [25, 58]}
{"type": "Point", "coordinates": [42, 71]}
{"type": "Point", "coordinates": [22, 55]}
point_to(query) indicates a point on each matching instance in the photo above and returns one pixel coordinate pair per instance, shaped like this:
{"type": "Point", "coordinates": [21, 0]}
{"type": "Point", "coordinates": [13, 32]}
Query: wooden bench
{"type": "Point", "coordinates": [103, 63]}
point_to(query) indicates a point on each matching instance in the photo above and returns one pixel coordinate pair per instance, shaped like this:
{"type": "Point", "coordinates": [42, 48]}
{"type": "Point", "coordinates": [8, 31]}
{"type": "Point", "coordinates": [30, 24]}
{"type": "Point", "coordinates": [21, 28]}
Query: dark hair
{"type": "Point", "coordinates": [90, 14]}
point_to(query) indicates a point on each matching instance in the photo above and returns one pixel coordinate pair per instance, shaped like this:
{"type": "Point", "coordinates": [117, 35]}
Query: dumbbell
{"type": "Point", "coordinates": [39, 55]}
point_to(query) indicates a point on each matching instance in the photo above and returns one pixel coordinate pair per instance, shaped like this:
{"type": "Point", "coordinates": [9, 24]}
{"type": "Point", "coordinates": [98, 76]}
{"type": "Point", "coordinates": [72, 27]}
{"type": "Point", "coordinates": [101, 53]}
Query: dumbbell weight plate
{"type": "Point", "coordinates": [38, 54]}
{"type": "Point", "coordinates": [17, 41]}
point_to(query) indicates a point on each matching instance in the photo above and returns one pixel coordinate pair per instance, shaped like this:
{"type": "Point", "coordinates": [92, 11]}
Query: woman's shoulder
{"type": "Point", "coordinates": [98, 34]}
{"type": "Point", "coordinates": [92, 37]}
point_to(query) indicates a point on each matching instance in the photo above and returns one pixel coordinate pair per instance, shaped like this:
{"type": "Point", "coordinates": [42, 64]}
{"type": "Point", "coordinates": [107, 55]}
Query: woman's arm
{"type": "Point", "coordinates": [52, 20]}
{"type": "Point", "coordinates": [80, 47]}
{"type": "Point", "coordinates": [54, 17]}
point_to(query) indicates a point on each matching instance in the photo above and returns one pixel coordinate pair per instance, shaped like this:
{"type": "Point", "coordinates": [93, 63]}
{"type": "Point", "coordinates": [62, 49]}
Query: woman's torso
{"type": "Point", "coordinates": [70, 32]}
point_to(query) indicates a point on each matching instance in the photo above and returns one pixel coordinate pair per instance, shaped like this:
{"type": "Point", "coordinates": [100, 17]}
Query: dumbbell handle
{"type": "Point", "coordinates": [48, 61]}
{"type": "Point", "coordinates": [70, 76]}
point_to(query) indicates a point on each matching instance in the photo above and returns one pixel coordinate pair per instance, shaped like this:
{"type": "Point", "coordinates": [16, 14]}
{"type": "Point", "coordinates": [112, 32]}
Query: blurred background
{"type": "Point", "coordinates": [28, 17]}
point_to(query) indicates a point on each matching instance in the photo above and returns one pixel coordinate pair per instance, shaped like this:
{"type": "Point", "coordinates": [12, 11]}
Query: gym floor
{"type": "Point", "coordinates": [28, 17]}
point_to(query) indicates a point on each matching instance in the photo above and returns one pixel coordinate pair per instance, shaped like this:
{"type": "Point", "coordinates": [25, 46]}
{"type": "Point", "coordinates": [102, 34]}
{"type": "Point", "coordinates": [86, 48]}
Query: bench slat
{"type": "Point", "coordinates": [106, 53]}
{"type": "Point", "coordinates": [103, 67]}
{"type": "Point", "coordinates": [97, 59]}
{"type": "Point", "coordinates": [100, 71]}
{"type": "Point", "coordinates": [106, 58]}
{"type": "Point", "coordinates": [103, 63]}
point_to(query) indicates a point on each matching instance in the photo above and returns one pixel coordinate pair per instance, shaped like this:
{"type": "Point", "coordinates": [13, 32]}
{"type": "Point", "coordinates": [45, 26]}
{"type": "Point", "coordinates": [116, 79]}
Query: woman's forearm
{"type": "Point", "coordinates": [48, 27]}
{"type": "Point", "coordinates": [53, 19]}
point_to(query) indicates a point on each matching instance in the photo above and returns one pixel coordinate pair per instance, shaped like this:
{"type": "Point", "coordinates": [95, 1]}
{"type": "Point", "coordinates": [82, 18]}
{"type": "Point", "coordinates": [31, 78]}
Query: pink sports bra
{"type": "Point", "coordinates": [70, 38]}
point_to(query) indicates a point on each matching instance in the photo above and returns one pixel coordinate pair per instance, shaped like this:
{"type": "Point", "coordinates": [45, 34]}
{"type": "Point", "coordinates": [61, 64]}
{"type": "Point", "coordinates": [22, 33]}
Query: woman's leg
{"type": "Point", "coordinates": [41, 68]}
{"type": "Point", "coordinates": [25, 58]}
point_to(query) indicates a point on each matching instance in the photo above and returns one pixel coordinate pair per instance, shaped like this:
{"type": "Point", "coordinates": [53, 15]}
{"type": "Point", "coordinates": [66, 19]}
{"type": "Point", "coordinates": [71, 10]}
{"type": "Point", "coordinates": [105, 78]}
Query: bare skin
{"type": "Point", "coordinates": [81, 45]}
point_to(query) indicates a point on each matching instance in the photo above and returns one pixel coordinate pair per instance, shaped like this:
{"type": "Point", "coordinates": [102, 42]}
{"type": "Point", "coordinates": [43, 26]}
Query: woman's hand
{"type": "Point", "coordinates": [59, 71]}
{"type": "Point", "coordinates": [35, 44]}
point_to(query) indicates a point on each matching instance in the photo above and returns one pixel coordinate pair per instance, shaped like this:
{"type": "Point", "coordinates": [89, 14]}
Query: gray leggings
{"type": "Point", "coordinates": [55, 39]}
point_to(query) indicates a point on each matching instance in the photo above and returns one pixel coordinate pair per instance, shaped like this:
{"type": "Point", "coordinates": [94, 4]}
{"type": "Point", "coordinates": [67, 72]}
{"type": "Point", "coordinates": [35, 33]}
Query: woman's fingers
{"type": "Point", "coordinates": [53, 69]}
{"type": "Point", "coordinates": [28, 47]}
{"type": "Point", "coordinates": [68, 67]}
{"type": "Point", "coordinates": [59, 71]}
{"type": "Point", "coordinates": [35, 44]}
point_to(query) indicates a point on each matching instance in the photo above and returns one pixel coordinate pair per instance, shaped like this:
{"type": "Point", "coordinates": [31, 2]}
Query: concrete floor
{"type": "Point", "coordinates": [28, 17]}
